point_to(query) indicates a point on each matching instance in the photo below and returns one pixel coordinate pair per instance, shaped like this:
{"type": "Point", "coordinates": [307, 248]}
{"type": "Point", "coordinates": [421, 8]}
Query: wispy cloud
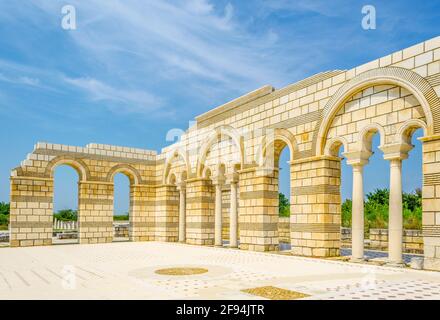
{"type": "Point", "coordinates": [196, 40]}
{"type": "Point", "coordinates": [133, 101]}
{"type": "Point", "coordinates": [22, 80]}
{"type": "Point", "coordinates": [156, 56]}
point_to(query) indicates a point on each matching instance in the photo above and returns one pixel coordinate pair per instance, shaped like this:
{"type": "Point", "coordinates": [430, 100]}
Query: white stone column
{"type": "Point", "coordinates": [218, 215]}
{"type": "Point", "coordinates": [357, 159]}
{"type": "Point", "coordinates": [395, 153]}
{"type": "Point", "coordinates": [233, 216]}
{"type": "Point", "coordinates": [357, 218]}
{"type": "Point", "coordinates": [182, 212]}
{"type": "Point", "coordinates": [395, 224]}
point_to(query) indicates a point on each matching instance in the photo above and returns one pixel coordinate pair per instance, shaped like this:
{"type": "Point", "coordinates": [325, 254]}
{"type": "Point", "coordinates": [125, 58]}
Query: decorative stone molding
{"type": "Point", "coordinates": [405, 78]}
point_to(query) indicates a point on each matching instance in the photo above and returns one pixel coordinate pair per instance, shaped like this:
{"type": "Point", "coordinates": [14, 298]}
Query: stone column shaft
{"type": "Point", "coordinates": [358, 213]}
{"type": "Point", "coordinates": [395, 228]}
{"type": "Point", "coordinates": [182, 214]}
{"type": "Point", "coordinates": [218, 215]}
{"type": "Point", "coordinates": [233, 221]}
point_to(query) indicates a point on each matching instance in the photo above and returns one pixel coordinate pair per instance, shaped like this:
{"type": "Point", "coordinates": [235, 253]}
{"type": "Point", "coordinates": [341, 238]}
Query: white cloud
{"type": "Point", "coordinates": [131, 101]}
{"type": "Point", "coordinates": [199, 6]}
{"type": "Point", "coordinates": [193, 38]}
{"type": "Point", "coordinates": [21, 80]}
{"type": "Point", "coordinates": [175, 49]}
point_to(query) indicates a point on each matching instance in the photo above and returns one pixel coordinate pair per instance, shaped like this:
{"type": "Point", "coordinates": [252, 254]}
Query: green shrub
{"type": "Point", "coordinates": [4, 219]}
{"type": "Point", "coordinates": [66, 215]}
{"type": "Point", "coordinates": [122, 217]}
{"type": "Point", "coordinates": [4, 208]}
{"type": "Point", "coordinates": [283, 206]}
{"type": "Point", "coordinates": [376, 210]}
{"type": "Point", "coordinates": [346, 213]}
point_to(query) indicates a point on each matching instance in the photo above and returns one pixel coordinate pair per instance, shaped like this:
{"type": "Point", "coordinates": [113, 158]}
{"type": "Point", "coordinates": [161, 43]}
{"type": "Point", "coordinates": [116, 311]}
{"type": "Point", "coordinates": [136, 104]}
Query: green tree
{"type": "Point", "coordinates": [121, 217]}
{"type": "Point", "coordinates": [379, 196]}
{"type": "Point", "coordinates": [346, 213]}
{"type": "Point", "coordinates": [4, 208]}
{"type": "Point", "coordinates": [66, 215]}
{"type": "Point", "coordinates": [4, 215]}
{"type": "Point", "coordinates": [376, 210]}
{"type": "Point", "coordinates": [283, 206]}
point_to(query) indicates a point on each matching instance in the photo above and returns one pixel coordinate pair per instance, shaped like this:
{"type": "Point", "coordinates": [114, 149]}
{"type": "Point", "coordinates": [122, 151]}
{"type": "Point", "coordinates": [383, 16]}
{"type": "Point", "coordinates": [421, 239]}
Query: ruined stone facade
{"type": "Point", "coordinates": [224, 169]}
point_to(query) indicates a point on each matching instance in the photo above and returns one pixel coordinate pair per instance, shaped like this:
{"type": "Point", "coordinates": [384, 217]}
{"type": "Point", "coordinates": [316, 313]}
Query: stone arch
{"type": "Point", "coordinates": [132, 174]}
{"type": "Point", "coordinates": [183, 176]}
{"type": "Point", "coordinates": [172, 179]}
{"type": "Point", "coordinates": [213, 138]}
{"type": "Point", "coordinates": [413, 82]}
{"type": "Point", "coordinates": [207, 173]}
{"type": "Point", "coordinates": [176, 153]}
{"type": "Point", "coordinates": [269, 143]}
{"type": "Point", "coordinates": [405, 131]}
{"type": "Point", "coordinates": [366, 133]}
{"type": "Point", "coordinates": [332, 146]}
{"type": "Point", "coordinates": [77, 164]}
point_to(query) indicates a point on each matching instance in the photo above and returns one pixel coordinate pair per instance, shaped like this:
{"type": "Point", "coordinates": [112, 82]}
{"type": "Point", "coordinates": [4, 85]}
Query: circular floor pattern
{"type": "Point", "coordinates": [181, 271]}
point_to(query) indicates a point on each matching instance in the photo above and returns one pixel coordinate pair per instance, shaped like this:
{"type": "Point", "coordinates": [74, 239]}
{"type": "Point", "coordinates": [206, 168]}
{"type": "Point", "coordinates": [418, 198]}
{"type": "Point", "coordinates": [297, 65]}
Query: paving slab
{"type": "Point", "coordinates": [126, 270]}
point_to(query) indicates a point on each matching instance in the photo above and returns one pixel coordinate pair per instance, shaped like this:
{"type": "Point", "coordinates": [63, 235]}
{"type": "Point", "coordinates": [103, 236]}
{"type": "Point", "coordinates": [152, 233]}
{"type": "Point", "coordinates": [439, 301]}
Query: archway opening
{"type": "Point", "coordinates": [65, 205]}
{"type": "Point", "coordinates": [376, 201]}
{"type": "Point", "coordinates": [121, 207]}
{"type": "Point", "coordinates": [282, 160]}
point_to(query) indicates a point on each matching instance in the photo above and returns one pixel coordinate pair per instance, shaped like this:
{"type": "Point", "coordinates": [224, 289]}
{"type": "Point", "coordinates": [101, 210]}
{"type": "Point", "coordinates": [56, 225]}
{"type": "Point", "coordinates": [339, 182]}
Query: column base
{"type": "Point", "coordinates": [395, 264]}
{"type": "Point", "coordinates": [357, 260]}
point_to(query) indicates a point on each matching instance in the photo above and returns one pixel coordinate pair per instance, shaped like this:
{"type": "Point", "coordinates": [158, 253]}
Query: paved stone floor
{"type": "Point", "coordinates": [125, 270]}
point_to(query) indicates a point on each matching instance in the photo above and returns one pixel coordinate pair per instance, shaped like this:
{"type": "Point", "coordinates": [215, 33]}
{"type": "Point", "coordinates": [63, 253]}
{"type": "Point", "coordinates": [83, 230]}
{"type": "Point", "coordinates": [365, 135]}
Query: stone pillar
{"type": "Point", "coordinates": [258, 209]}
{"type": "Point", "coordinates": [142, 215]}
{"type": "Point", "coordinates": [357, 159]}
{"type": "Point", "coordinates": [395, 153]}
{"type": "Point", "coordinates": [218, 183]}
{"type": "Point", "coordinates": [182, 212]}
{"type": "Point", "coordinates": [431, 202]}
{"type": "Point", "coordinates": [31, 215]}
{"type": "Point", "coordinates": [395, 229]}
{"type": "Point", "coordinates": [315, 218]}
{"type": "Point", "coordinates": [167, 213]}
{"type": "Point", "coordinates": [233, 214]}
{"type": "Point", "coordinates": [95, 212]}
{"type": "Point", "coordinates": [199, 211]}
{"type": "Point", "coordinates": [357, 214]}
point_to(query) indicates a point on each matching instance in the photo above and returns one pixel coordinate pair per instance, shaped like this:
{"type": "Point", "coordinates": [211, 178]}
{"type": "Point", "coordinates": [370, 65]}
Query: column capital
{"type": "Point", "coordinates": [265, 171]}
{"type": "Point", "coordinates": [357, 158]}
{"type": "Point", "coordinates": [232, 178]}
{"type": "Point", "coordinates": [181, 185]}
{"type": "Point", "coordinates": [396, 151]}
{"type": "Point", "coordinates": [218, 180]}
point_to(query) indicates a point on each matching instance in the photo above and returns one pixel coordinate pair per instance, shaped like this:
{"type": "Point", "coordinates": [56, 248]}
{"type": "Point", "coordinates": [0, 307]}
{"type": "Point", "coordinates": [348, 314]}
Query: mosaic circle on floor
{"type": "Point", "coordinates": [181, 271]}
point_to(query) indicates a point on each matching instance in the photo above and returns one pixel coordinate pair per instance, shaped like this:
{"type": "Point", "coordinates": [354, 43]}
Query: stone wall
{"type": "Point", "coordinates": [378, 240]}
{"type": "Point", "coordinates": [284, 229]}
{"type": "Point", "coordinates": [121, 229]}
{"type": "Point", "coordinates": [32, 191]}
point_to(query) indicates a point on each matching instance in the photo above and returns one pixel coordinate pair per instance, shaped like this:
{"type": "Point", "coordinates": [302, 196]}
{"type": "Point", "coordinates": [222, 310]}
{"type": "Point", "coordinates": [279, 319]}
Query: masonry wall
{"type": "Point", "coordinates": [378, 240]}
{"type": "Point", "coordinates": [32, 192]}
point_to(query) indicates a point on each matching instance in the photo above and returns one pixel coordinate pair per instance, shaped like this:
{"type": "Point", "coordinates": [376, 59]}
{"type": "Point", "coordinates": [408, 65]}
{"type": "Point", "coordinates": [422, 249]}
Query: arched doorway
{"type": "Point", "coordinates": [122, 207]}
{"type": "Point", "coordinates": [65, 205]}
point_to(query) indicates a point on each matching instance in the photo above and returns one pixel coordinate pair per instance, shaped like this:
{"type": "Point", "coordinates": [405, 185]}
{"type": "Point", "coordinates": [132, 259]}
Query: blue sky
{"type": "Point", "coordinates": [132, 70]}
